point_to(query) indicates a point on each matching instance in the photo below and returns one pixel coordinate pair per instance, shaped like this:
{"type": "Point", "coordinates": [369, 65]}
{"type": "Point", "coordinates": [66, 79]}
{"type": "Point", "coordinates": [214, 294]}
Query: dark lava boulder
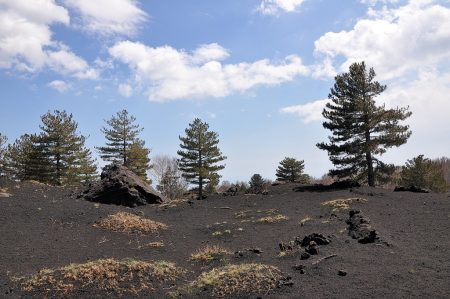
{"type": "Point", "coordinates": [360, 229]}
{"type": "Point", "coordinates": [121, 186]}
{"type": "Point", "coordinates": [317, 238]}
{"type": "Point", "coordinates": [410, 189]}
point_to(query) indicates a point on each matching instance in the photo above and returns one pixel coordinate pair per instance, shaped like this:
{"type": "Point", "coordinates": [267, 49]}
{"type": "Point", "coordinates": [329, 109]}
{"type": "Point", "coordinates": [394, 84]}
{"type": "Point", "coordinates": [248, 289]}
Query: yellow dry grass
{"type": "Point", "coordinates": [209, 253]}
{"type": "Point", "coordinates": [304, 220]}
{"type": "Point", "coordinates": [342, 204]}
{"type": "Point", "coordinates": [110, 275]}
{"type": "Point", "coordinates": [235, 280]}
{"type": "Point", "coordinates": [272, 219]}
{"type": "Point", "coordinates": [129, 223]}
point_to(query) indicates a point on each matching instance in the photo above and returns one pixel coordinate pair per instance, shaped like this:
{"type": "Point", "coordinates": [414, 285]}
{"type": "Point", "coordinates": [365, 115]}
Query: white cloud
{"type": "Point", "coordinates": [26, 39]}
{"type": "Point", "coordinates": [98, 87]}
{"type": "Point", "coordinates": [375, 2]}
{"type": "Point", "coordinates": [274, 7]}
{"type": "Point", "coordinates": [125, 90]}
{"type": "Point", "coordinates": [309, 112]}
{"type": "Point", "coordinates": [173, 74]}
{"type": "Point", "coordinates": [107, 17]}
{"type": "Point", "coordinates": [59, 85]}
{"type": "Point", "coordinates": [394, 41]}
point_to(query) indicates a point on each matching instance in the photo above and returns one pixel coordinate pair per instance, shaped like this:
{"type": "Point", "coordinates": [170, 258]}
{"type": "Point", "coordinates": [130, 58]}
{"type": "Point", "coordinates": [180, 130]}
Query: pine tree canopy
{"type": "Point", "coordinates": [423, 173]}
{"type": "Point", "coordinates": [290, 170]}
{"type": "Point", "coordinates": [63, 148]}
{"type": "Point", "coordinates": [3, 141]}
{"type": "Point", "coordinates": [123, 144]}
{"type": "Point", "coordinates": [361, 130]}
{"type": "Point", "coordinates": [200, 154]}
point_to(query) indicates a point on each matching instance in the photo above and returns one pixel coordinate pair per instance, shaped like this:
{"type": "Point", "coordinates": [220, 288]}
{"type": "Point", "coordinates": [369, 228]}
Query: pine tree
{"type": "Point", "coordinates": [123, 145]}
{"type": "Point", "coordinates": [361, 130]}
{"type": "Point", "coordinates": [290, 170]}
{"type": "Point", "coordinates": [25, 160]}
{"type": "Point", "coordinates": [423, 173]}
{"type": "Point", "coordinates": [86, 170]}
{"type": "Point", "coordinates": [138, 159]}
{"type": "Point", "coordinates": [64, 149]}
{"type": "Point", "coordinates": [3, 141]}
{"type": "Point", "coordinates": [199, 155]}
{"type": "Point", "coordinates": [256, 183]}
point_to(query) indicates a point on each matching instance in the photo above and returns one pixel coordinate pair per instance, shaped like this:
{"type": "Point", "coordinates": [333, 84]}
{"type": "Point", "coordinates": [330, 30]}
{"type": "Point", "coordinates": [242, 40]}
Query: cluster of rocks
{"type": "Point", "coordinates": [338, 185]}
{"type": "Point", "coordinates": [121, 186]}
{"type": "Point", "coordinates": [414, 189]}
{"type": "Point", "coordinates": [309, 243]}
{"type": "Point", "coordinates": [359, 228]}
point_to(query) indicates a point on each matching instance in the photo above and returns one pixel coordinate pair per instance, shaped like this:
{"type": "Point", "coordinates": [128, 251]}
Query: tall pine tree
{"type": "Point", "coordinates": [3, 141]}
{"type": "Point", "coordinates": [123, 145]}
{"type": "Point", "coordinates": [199, 155]}
{"type": "Point", "coordinates": [361, 130]}
{"type": "Point", "coordinates": [64, 149]}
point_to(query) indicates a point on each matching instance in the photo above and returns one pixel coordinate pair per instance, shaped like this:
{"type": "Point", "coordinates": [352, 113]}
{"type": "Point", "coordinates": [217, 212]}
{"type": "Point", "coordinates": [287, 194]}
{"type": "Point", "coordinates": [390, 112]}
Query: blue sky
{"type": "Point", "coordinates": [258, 71]}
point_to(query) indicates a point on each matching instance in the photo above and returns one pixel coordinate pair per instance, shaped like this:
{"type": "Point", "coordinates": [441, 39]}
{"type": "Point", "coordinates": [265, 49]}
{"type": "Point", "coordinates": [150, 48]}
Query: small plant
{"type": "Point", "coordinates": [342, 204]}
{"type": "Point", "coordinates": [129, 223]}
{"type": "Point", "coordinates": [272, 219]}
{"type": "Point", "coordinates": [257, 184]}
{"type": "Point", "coordinates": [107, 275]}
{"type": "Point", "coordinates": [209, 253]}
{"type": "Point", "coordinates": [234, 280]}
{"type": "Point", "coordinates": [423, 173]}
{"type": "Point", "coordinates": [304, 220]}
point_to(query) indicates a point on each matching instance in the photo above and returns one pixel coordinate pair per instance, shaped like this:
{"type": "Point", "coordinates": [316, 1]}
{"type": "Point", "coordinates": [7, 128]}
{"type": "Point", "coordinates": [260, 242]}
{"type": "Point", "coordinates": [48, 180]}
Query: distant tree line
{"type": "Point", "coordinates": [361, 132]}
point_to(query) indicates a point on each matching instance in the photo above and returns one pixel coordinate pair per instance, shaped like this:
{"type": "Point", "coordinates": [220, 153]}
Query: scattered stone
{"type": "Point", "coordinates": [359, 228]}
{"type": "Point", "coordinates": [312, 248]}
{"type": "Point", "coordinates": [286, 281]}
{"type": "Point", "coordinates": [299, 267]}
{"type": "Point", "coordinates": [232, 191]}
{"type": "Point", "coordinates": [255, 250]}
{"type": "Point", "coordinates": [342, 273]}
{"type": "Point", "coordinates": [317, 238]}
{"type": "Point", "coordinates": [120, 186]}
{"type": "Point", "coordinates": [410, 189]}
{"type": "Point", "coordinates": [305, 256]}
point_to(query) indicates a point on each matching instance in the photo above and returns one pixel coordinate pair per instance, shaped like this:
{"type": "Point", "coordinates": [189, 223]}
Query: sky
{"type": "Point", "coordinates": [257, 71]}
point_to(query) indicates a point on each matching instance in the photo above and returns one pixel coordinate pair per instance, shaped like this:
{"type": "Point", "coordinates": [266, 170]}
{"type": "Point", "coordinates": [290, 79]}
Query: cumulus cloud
{"type": "Point", "coordinates": [309, 112]}
{"type": "Point", "coordinates": [375, 2]}
{"type": "Point", "coordinates": [394, 41]}
{"type": "Point", "coordinates": [125, 90]}
{"type": "Point", "coordinates": [172, 74]}
{"type": "Point", "coordinates": [109, 17]}
{"type": "Point", "coordinates": [59, 85]}
{"type": "Point", "coordinates": [274, 7]}
{"type": "Point", "coordinates": [26, 39]}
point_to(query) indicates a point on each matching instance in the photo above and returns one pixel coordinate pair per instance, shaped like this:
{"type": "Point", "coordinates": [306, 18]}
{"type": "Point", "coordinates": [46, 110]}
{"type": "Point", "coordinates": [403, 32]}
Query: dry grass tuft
{"type": "Point", "coordinates": [129, 223]}
{"type": "Point", "coordinates": [3, 190]}
{"type": "Point", "coordinates": [173, 203]}
{"type": "Point", "coordinates": [235, 280]}
{"type": "Point", "coordinates": [110, 275]}
{"type": "Point", "coordinates": [209, 253]}
{"type": "Point", "coordinates": [342, 204]}
{"type": "Point", "coordinates": [272, 219]}
{"type": "Point", "coordinates": [156, 244]}
{"type": "Point", "coordinates": [304, 220]}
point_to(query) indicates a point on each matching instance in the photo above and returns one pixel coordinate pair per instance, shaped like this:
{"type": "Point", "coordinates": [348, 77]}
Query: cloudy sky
{"type": "Point", "coordinates": [258, 71]}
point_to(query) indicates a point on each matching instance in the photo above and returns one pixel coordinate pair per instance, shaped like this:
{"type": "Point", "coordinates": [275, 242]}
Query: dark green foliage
{"type": "Point", "coordinates": [68, 161]}
{"type": "Point", "coordinates": [257, 184]}
{"type": "Point", "coordinates": [3, 141]}
{"type": "Point", "coordinates": [199, 155]}
{"type": "Point", "coordinates": [24, 160]}
{"type": "Point", "coordinates": [423, 173]}
{"type": "Point", "coordinates": [123, 144]}
{"type": "Point", "coordinates": [290, 170]}
{"type": "Point", "coordinates": [361, 130]}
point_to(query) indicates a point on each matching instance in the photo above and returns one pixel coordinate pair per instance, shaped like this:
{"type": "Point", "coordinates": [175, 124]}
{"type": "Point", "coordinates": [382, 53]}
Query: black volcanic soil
{"type": "Point", "coordinates": [46, 227]}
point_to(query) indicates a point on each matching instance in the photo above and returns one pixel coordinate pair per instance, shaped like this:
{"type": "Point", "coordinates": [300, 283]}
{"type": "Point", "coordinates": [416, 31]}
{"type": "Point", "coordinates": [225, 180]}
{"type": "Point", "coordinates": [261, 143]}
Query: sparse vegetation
{"type": "Point", "coordinates": [110, 275]}
{"type": "Point", "coordinates": [272, 219]}
{"type": "Point", "coordinates": [304, 220]}
{"type": "Point", "coordinates": [257, 184]}
{"type": "Point", "coordinates": [130, 223]}
{"type": "Point", "coordinates": [342, 204]}
{"type": "Point", "coordinates": [291, 170]}
{"type": "Point", "coordinates": [169, 179]}
{"type": "Point", "coordinates": [209, 253]}
{"type": "Point", "coordinates": [234, 280]}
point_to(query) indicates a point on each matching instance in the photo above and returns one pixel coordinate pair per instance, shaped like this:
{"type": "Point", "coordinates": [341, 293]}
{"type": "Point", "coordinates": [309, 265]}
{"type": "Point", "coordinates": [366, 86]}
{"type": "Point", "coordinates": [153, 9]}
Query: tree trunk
{"type": "Point", "coordinates": [370, 174]}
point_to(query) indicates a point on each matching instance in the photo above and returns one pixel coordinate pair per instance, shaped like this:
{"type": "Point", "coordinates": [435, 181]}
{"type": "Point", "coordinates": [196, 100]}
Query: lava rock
{"type": "Point", "coordinates": [359, 228]}
{"type": "Point", "coordinates": [342, 273]}
{"type": "Point", "coordinates": [312, 248]}
{"type": "Point", "coordinates": [410, 189]}
{"type": "Point", "coordinates": [299, 267]}
{"type": "Point", "coordinates": [305, 256]}
{"type": "Point", "coordinates": [120, 186]}
{"type": "Point", "coordinates": [317, 238]}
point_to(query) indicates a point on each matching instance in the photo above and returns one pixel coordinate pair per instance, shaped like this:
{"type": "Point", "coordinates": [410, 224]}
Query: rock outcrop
{"type": "Point", "coordinates": [120, 186]}
{"type": "Point", "coordinates": [359, 228]}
